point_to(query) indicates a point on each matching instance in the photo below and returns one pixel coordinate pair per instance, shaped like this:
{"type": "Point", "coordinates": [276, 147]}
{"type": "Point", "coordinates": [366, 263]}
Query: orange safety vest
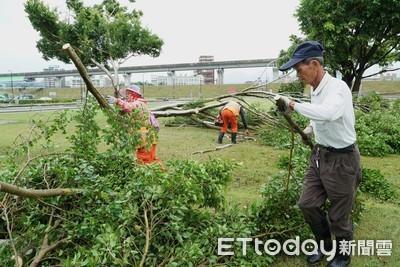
{"type": "Point", "coordinates": [234, 107]}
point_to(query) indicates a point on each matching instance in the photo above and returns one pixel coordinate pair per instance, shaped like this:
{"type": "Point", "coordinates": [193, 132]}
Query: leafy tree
{"type": "Point", "coordinates": [106, 34]}
{"type": "Point", "coordinates": [357, 34]}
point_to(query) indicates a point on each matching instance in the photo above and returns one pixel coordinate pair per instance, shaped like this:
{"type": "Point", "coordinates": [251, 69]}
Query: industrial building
{"type": "Point", "coordinates": [207, 74]}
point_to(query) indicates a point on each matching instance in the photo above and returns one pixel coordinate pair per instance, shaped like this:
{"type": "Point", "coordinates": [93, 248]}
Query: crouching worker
{"type": "Point", "coordinates": [229, 114]}
{"type": "Point", "coordinates": [134, 100]}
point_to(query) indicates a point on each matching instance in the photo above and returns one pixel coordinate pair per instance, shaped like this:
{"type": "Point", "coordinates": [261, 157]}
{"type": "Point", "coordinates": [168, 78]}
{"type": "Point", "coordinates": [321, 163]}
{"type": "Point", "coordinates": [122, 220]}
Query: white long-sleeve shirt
{"type": "Point", "coordinates": [331, 113]}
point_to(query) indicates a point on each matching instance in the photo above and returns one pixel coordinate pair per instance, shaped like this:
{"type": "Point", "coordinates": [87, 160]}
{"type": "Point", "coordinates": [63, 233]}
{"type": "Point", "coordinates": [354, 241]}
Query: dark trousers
{"type": "Point", "coordinates": [335, 177]}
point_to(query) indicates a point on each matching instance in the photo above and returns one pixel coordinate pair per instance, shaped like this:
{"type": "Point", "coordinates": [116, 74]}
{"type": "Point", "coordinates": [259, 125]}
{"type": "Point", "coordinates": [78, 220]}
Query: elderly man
{"type": "Point", "coordinates": [334, 172]}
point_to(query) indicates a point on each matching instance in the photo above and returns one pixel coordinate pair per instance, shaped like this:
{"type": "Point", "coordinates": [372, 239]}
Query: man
{"type": "Point", "coordinates": [335, 170]}
{"type": "Point", "coordinates": [229, 114]}
{"type": "Point", "coordinates": [134, 100]}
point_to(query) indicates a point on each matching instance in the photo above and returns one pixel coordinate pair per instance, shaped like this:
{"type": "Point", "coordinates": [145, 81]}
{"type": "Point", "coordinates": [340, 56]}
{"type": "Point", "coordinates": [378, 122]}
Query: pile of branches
{"type": "Point", "coordinates": [205, 111]}
{"type": "Point", "coordinates": [199, 114]}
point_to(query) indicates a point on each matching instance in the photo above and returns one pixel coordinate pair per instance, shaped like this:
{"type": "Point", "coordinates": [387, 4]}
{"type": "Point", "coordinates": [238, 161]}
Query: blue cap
{"type": "Point", "coordinates": [303, 51]}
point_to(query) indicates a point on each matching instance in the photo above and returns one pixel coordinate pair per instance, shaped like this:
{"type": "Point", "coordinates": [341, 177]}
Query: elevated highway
{"type": "Point", "coordinates": [219, 66]}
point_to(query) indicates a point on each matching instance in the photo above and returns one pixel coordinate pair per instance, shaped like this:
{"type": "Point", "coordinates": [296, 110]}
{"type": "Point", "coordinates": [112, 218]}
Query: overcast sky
{"type": "Point", "coordinates": [226, 29]}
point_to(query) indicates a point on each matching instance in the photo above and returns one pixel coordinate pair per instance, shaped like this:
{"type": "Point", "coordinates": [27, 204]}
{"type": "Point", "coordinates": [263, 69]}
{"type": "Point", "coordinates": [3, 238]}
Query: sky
{"type": "Point", "coordinates": [225, 29]}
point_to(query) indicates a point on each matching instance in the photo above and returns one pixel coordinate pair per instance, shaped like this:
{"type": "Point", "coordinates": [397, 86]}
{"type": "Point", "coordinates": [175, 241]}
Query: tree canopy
{"type": "Point", "coordinates": [356, 34]}
{"type": "Point", "coordinates": [105, 34]}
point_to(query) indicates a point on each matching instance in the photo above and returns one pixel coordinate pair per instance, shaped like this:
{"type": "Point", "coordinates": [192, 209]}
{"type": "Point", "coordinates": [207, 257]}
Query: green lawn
{"type": "Point", "coordinates": [192, 91]}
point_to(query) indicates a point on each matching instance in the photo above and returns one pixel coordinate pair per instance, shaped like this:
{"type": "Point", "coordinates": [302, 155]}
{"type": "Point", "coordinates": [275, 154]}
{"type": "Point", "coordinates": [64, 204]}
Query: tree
{"type": "Point", "coordinates": [356, 34]}
{"type": "Point", "coordinates": [105, 35]}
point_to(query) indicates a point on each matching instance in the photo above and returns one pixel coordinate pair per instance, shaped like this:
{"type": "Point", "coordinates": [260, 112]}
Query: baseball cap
{"type": "Point", "coordinates": [303, 51]}
{"type": "Point", "coordinates": [135, 89]}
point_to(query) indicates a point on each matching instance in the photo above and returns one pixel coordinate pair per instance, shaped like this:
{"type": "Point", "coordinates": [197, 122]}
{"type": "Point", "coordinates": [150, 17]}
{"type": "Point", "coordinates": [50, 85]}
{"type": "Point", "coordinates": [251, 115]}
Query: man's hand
{"type": "Point", "coordinates": [283, 103]}
{"type": "Point", "coordinates": [111, 99]}
{"type": "Point", "coordinates": [308, 131]}
{"type": "Point", "coordinates": [246, 132]}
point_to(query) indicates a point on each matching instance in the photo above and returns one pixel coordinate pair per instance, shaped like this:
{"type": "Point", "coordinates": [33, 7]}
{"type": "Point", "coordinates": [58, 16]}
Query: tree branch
{"type": "Point", "coordinates": [213, 149]}
{"type": "Point", "coordinates": [185, 112]}
{"type": "Point", "coordinates": [85, 76]}
{"type": "Point", "coordinates": [45, 248]}
{"type": "Point", "coordinates": [148, 233]}
{"type": "Point", "coordinates": [33, 193]}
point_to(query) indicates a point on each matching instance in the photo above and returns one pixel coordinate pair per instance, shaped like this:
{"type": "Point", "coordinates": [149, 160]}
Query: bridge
{"type": "Point", "coordinates": [220, 66]}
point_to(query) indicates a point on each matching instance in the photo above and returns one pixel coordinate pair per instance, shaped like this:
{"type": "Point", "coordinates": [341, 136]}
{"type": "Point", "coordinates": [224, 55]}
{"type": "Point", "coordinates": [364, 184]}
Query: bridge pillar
{"type": "Point", "coordinates": [59, 82]}
{"type": "Point", "coordinates": [127, 78]}
{"type": "Point", "coordinates": [220, 73]}
{"type": "Point", "coordinates": [171, 77]}
{"type": "Point", "coordinates": [275, 73]}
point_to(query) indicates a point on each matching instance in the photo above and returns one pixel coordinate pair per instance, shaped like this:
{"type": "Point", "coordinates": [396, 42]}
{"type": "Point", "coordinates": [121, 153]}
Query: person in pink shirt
{"type": "Point", "coordinates": [134, 100]}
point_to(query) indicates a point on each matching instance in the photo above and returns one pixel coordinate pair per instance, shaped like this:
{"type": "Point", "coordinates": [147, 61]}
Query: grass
{"type": "Point", "coordinates": [150, 92]}
{"type": "Point", "coordinates": [380, 220]}
{"type": "Point", "coordinates": [190, 91]}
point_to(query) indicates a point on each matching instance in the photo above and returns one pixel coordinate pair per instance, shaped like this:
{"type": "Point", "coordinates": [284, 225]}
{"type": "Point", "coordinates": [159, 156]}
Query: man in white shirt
{"type": "Point", "coordinates": [335, 170]}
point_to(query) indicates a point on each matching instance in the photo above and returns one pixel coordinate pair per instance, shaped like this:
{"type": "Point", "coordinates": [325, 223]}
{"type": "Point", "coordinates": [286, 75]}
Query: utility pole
{"type": "Point", "coordinates": [12, 83]}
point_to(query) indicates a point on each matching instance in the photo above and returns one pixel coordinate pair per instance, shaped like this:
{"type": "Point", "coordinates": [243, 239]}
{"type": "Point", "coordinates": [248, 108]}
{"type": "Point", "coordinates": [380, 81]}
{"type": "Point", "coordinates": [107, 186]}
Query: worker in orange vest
{"type": "Point", "coordinates": [229, 114]}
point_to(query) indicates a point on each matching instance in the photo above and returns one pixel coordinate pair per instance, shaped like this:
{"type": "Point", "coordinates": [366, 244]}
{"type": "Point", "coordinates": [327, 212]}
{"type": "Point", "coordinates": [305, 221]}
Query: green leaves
{"type": "Point", "coordinates": [373, 182]}
{"type": "Point", "coordinates": [104, 32]}
{"type": "Point", "coordinates": [356, 34]}
{"type": "Point", "coordinates": [378, 129]}
{"type": "Point", "coordinates": [127, 213]}
{"type": "Point", "coordinates": [297, 87]}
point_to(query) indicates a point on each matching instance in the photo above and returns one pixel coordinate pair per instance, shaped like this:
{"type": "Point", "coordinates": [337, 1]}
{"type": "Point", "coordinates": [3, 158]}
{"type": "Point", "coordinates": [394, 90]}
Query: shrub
{"type": "Point", "coordinates": [296, 87]}
{"type": "Point", "coordinates": [373, 182]}
{"type": "Point", "coordinates": [124, 214]}
{"type": "Point", "coordinates": [378, 131]}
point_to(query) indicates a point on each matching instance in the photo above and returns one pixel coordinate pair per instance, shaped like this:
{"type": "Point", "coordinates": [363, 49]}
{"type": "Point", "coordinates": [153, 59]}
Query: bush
{"type": "Point", "coordinates": [296, 87]}
{"type": "Point", "coordinates": [373, 182]}
{"type": "Point", "coordinates": [378, 130]}
{"type": "Point", "coordinates": [373, 102]}
{"type": "Point", "coordinates": [117, 213]}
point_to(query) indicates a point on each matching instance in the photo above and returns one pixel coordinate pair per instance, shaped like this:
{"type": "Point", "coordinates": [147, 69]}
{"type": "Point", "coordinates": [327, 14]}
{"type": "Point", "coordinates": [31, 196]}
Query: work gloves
{"type": "Point", "coordinates": [282, 103]}
{"type": "Point", "coordinates": [111, 99]}
{"type": "Point", "coordinates": [308, 131]}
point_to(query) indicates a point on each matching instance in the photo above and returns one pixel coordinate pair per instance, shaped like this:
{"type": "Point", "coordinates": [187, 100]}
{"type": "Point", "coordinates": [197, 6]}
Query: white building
{"type": "Point", "coordinates": [97, 81]}
{"type": "Point", "coordinates": [177, 80]}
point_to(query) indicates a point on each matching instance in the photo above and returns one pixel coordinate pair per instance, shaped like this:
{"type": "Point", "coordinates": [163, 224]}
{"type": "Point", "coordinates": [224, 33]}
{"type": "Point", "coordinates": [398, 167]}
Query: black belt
{"type": "Point", "coordinates": [346, 149]}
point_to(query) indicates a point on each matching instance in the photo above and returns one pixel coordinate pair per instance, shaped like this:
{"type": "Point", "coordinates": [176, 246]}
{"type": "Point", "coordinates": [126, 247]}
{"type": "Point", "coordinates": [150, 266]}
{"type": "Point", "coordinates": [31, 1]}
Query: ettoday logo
{"type": "Point", "coordinates": [291, 247]}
